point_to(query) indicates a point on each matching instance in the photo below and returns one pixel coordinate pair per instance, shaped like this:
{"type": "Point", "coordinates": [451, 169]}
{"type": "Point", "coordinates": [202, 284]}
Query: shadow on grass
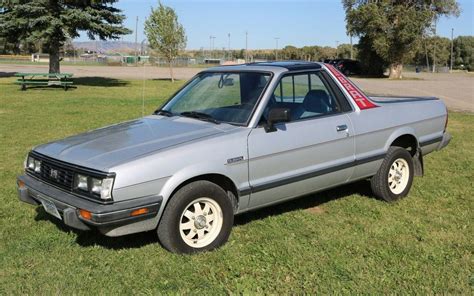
{"type": "Point", "coordinates": [6, 74]}
{"type": "Point", "coordinates": [95, 238]}
{"type": "Point", "coordinates": [166, 79]}
{"type": "Point", "coordinates": [99, 81]}
{"type": "Point", "coordinates": [138, 240]}
{"type": "Point", "coordinates": [307, 202]}
{"type": "Point", "coordinates": [47, 87]}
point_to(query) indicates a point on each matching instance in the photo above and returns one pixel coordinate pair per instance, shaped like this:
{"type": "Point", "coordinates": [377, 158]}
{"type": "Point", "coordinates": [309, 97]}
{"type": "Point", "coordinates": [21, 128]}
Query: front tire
{"type": "Point", "coordinates": [198, 217]}
{"type": "Point", "coordinates": [395, 176]}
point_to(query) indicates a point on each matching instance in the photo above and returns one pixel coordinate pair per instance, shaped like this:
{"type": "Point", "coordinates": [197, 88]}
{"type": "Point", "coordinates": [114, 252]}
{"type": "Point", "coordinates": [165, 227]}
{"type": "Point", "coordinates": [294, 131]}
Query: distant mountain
{"type": "Point", "coordinates": [107, 46]}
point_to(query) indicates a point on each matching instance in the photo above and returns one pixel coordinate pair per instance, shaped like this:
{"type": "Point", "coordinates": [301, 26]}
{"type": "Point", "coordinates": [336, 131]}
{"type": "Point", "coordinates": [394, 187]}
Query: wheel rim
{"type": "Point", "coordinates": [398, 176]}
{"type": "Point", "coordinates": [200, 222]}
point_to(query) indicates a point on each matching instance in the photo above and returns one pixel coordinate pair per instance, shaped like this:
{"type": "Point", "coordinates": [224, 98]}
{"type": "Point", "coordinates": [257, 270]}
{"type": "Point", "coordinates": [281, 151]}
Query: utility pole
{"type": "Point", "coordinates": [210, 45]}
{"type": "Point", "coordinates": [337, 45]}
{"type": "Point", "coordinates": [246, 47]}
{"type": "Point", "coordinates": [276, 50]}
{"type": "Point", "coordinates": [452, 48]}
{"type": "Point", "coordinates": [228, 48]}
{"type": "Point", "coordinates": [136, 42]}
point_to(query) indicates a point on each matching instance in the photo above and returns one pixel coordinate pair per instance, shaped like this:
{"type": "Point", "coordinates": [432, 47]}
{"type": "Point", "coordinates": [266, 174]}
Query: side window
{"type": "Point", "coordinates": [306, 95]}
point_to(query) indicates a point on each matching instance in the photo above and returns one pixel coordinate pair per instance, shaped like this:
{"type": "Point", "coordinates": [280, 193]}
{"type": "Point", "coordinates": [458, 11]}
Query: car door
{"type": "Point", "coordinates": [311, 152]}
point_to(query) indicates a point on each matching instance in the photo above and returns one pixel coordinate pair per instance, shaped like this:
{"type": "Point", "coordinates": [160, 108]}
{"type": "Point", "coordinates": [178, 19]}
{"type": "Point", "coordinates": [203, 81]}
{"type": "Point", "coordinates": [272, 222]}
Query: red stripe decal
{"type": "Point", "coordinates": [359, 98]}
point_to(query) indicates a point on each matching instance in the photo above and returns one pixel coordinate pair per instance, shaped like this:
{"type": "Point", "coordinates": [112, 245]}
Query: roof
{"type": "Point", "coordinates": [275, 67]}
{"type": "Point", "coordinates": [290, 65]}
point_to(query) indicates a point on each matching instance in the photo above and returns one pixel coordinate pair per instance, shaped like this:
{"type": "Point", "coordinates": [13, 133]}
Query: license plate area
{"type": "Point", "coordinates": [50, 208]}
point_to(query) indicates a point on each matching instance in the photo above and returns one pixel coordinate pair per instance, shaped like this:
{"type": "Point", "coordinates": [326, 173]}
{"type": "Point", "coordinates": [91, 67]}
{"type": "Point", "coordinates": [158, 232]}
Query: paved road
{"type": "Point", "coordinates": [457, 90]}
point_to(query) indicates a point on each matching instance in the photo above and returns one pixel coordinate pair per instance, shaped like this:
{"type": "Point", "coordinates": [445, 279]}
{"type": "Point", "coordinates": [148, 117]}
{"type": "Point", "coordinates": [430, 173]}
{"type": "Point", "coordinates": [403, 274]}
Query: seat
{"type": "Point", "coordinates": [316, 102]}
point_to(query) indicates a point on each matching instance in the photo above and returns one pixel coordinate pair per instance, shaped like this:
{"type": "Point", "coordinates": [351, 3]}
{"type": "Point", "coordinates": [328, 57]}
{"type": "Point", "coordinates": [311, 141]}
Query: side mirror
{"type": "Point", "coordinates": [277, 115]}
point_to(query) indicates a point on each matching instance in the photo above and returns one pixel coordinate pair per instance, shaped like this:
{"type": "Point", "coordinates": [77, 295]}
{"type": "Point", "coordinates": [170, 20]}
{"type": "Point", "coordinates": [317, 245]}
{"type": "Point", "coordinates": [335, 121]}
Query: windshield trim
{"type": "Point", "coordinates": [257, 103]}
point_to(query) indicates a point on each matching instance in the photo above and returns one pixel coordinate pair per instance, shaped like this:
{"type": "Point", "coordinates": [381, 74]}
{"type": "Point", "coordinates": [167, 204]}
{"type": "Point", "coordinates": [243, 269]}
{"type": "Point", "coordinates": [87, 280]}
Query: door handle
{"type": "Point", "coordinates": [341, 128]}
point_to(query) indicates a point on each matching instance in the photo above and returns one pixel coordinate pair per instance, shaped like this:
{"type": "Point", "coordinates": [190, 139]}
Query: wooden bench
{"type": "Point", "coordinates": [44, 79]}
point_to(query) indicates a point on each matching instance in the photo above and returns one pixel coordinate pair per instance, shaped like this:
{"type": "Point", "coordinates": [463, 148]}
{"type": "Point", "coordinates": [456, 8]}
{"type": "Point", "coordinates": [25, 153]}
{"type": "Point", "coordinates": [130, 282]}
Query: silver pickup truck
{"type": "Point", "coordinates": [233, 139]}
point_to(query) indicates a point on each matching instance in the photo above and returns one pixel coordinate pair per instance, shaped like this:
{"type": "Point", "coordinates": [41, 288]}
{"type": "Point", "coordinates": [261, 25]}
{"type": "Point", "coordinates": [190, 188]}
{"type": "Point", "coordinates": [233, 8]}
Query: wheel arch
{"type": "Point", "coordinates": [220, 179]}
{"type": "Point", "coordinates": [406, 138]}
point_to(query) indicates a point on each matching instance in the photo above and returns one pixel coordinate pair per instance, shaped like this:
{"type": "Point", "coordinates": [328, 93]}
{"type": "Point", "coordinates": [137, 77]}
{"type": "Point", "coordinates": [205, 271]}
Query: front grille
{"type": "Point", "coordinates": [57, 175]}
{"type": "Point", "coordinates": [61, 174]}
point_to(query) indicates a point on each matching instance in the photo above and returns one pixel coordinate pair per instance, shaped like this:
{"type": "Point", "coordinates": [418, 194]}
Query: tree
{"type": "Point", "coordinates": [436, 49]}
{"type": "Point", "coordinates": [165, 34]}
{"type": "Point", "coordinates": [393, 29]}
{"type": "Point", "coordinates": [344, 51]}
{"type": "Point", "coordinates": [464, 52]}
{"type": "Point", "coordinates": [372, 64]}
{"type": "Point", "coordinates": [53, 22]}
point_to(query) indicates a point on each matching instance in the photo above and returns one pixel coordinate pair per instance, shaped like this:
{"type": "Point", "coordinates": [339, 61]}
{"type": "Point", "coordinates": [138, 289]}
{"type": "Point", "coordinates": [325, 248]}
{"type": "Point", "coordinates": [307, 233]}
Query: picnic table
{"type": "Point", "coordinates": [44, 79]}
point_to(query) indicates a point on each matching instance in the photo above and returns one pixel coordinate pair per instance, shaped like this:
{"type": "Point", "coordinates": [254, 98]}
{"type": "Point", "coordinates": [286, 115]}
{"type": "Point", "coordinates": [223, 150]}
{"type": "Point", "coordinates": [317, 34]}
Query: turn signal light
{"type": "Point", "coordinates": [21, 184]}
{"type": "Point", "coordinates": [139, 212]}
{"type": "Point", "coordinates": [85, 214]}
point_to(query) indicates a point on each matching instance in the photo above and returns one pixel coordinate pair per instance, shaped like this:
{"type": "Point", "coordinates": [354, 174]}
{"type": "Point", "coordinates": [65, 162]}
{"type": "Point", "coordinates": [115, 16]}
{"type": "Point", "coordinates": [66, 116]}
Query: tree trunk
{"type": "Point", "coordinates": [396, 71]}
{"type": "Point", "coordinates": [54, 58]}
{"type": "Point", "coordinates": [170, 63]}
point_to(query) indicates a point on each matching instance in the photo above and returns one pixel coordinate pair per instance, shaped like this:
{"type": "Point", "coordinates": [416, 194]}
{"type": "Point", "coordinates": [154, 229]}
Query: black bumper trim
{"type": "Point", "coordinates": [68, 205]}
{"type": "Point", "coordinates": [432, 141]}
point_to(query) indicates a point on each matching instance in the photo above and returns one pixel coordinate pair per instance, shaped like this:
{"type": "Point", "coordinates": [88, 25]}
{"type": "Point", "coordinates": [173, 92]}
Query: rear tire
{"type": "Point", "coordinates": [198, 217]}
{"type": "Point", "coordinates": [395, 176]}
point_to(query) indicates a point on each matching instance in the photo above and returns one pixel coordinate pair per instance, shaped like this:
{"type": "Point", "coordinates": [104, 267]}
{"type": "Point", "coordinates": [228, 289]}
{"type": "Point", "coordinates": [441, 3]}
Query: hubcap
{"type": "Point", "coordinates": [201, 222]}
{"type": "Point", "coordinates": [398, 176]}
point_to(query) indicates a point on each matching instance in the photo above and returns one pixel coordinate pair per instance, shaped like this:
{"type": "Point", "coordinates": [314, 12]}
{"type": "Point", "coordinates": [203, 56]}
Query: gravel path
{"type": "Point", "coordinates": [457, 90]}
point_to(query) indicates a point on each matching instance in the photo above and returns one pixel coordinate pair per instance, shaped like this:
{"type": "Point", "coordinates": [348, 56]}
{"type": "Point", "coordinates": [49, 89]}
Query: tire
{"type": "Point", "coordinates": [198, 217]}
{"type": "Point", "coordinates": [395, 176]}
{"type": "Point", "coordinates": [347, 72]}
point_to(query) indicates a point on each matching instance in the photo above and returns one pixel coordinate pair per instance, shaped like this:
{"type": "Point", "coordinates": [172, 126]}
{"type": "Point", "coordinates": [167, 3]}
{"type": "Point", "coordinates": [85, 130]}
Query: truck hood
{"type": "Point", "coordinates": [103, 148]}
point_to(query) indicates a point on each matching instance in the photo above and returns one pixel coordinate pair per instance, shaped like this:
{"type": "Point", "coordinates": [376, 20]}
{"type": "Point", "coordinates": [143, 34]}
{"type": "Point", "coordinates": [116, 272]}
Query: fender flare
{"type": "Point", "coordinates": [417, 157]}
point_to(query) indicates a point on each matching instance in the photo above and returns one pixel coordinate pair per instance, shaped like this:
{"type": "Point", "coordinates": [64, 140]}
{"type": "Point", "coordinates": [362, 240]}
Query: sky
{"type": "Point", "coordinates": [294, 22]}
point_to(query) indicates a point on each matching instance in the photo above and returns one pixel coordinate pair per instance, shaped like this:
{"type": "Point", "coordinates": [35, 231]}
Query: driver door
{"type": "Point", "coordinates": [311, 152]}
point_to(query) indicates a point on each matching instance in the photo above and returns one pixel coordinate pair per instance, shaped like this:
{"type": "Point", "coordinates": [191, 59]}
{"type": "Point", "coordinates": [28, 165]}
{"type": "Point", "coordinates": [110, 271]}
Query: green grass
{"type": "Point", "coordinates": [340, 241]}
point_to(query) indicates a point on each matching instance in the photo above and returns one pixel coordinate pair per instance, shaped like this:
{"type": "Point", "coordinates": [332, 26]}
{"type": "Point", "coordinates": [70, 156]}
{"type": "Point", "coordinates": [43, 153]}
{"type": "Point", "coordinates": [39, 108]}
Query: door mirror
{"type": "Point", "coordinates": [277, 115]}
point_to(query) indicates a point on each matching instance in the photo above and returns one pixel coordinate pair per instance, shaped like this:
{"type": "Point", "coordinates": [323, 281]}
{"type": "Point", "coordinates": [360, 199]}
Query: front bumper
{"type": "Point", "coordinates": [107, 216]}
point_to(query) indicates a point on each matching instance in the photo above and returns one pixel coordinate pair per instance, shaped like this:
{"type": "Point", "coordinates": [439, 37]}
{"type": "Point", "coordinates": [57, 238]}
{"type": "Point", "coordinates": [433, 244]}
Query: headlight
{"type": "Point", "coordinates": [30, 163]}
{"type": "Point", "coordinates": [81, 182]}
{"type": "Point", "coordinates": [97, 187]}
{"type": "Point", "coordinates": [33, 164]}
{"type": "Point", "coordinates": [37, 166]}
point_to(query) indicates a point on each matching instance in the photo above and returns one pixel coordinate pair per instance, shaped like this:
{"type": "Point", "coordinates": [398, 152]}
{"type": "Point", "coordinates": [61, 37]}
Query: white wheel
{"type": "Point", "coordinates": [394, 178]}
{"type": "Point", "coordinates": [398, 176]}
{"type": "Point", "coordinates": [198, 218]}
{"type": "Point", "coordinates": [201, 222]}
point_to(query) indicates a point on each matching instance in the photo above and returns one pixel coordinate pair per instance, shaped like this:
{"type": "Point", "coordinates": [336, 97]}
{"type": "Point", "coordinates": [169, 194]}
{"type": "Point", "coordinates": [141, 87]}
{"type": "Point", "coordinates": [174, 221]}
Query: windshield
{"type": "Point", "coordinates": [223, 96]}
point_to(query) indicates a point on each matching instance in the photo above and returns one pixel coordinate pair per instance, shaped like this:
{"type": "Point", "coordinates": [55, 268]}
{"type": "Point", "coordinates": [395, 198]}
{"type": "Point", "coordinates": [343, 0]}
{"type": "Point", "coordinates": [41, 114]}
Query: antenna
{"type": "Point", "coordinates": [143, 90]}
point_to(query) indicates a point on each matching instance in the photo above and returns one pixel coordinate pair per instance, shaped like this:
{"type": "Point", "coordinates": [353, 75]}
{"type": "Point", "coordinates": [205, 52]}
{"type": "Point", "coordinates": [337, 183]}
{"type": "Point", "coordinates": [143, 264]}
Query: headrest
{"type": "Point", "coordinates": [316, 101]}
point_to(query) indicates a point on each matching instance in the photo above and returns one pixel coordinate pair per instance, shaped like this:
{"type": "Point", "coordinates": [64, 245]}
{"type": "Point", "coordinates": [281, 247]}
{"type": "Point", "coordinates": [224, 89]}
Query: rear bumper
{"type": "Point", "coordinates": [102, 216]}
{"type": "Point", "coordinates": [444, 141]}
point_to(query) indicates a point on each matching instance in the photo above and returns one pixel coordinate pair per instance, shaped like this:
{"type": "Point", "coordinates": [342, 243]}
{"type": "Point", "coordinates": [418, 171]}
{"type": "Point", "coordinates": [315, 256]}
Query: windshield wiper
{"type": "Point", "coordinates": [163, 112]}
{"type": "Point", "coordinates": [200, 115]}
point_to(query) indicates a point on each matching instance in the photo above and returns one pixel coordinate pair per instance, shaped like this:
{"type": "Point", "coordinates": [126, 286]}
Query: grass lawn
{"type": "Point", "coordinates": [341, 240]}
